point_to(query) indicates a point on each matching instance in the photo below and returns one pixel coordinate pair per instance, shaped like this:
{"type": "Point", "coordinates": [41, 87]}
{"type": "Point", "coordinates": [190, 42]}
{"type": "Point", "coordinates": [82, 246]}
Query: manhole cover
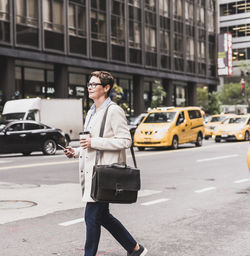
{"type": "Point", "coordinates": [15, 204]}
{"type": "Point", "coordinates": [17, 186]}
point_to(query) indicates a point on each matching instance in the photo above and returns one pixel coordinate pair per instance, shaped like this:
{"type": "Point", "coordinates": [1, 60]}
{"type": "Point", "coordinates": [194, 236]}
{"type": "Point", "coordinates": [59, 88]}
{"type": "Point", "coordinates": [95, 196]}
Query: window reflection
{"type": "Point", "coordinates": [98, 28]}
{"type": "Point", "coordinates": [53, 17]}
{"type": "Point", "coordinates": [77, 28]}
{"type": "Point", "coordinates": [4, 21]}
{"type": "Point", "coordinates": [117, 30]}
{"type": "Point", "coordinates": [27, 22]}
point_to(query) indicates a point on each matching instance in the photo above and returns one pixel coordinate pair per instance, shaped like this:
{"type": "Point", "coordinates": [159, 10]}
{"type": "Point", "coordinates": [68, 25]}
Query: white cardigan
{"type": "Point", "coordinates": [116, 139]}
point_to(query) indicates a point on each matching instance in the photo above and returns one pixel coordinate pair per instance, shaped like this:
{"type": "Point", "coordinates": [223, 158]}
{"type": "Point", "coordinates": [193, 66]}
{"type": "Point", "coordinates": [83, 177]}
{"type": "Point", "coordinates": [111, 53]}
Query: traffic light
{"type": "Point", "coordinates": [242, 82]}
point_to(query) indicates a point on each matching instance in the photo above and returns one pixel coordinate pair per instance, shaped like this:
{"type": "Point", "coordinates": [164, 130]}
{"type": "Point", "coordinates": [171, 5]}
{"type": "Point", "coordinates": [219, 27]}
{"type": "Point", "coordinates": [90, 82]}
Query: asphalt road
{"type": "Point", "coordinates": [194, 201]}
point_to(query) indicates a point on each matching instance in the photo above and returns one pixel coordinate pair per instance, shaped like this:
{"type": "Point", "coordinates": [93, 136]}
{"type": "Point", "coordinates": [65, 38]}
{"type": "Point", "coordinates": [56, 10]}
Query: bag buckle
{"type": "Point", "coordinates": [118, 189]}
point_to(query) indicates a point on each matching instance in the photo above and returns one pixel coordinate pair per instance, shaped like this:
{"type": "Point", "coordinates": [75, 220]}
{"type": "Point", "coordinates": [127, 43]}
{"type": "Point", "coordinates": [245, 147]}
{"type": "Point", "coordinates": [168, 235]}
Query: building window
{"type": "Point", "coordinates": [135, 53]}
{"type": "Point", "coordinates": [53, 20]}
{"type": "Point", "coordinates": [238, 30]}
{"type": "Point", "coordinates": [164, 8]}
{"type": "Point", "coordinates": [77, 28]}
{"type": "Point", "coordinates": [98, 28]}
{"type": "Point", "coordinates": [235, 7]}
{"type": "Point", "coordinates": [150, 34]}
{"type": "Point", "coordinates": [77, 85]}
{"type": "Point", "coordinates": [4, 21]}
{"type": "Point", "coordinates": [189, 11]}
{"type": "Point", "coordinates": [177, 6]}
{"type": "Point", "coordinates": [27, 22]}
{"type": "Point", "coordinates": [117, 30]}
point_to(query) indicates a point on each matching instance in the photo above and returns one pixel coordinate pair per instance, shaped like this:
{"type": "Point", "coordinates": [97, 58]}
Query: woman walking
{"type": "Point", "coordinates": [116, 139]}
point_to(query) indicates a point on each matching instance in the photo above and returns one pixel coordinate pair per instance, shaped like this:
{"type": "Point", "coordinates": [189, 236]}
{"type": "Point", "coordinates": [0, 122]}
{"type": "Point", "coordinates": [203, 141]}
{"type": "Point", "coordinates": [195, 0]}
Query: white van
{"type": "Point", "coordinates": [64, 114]}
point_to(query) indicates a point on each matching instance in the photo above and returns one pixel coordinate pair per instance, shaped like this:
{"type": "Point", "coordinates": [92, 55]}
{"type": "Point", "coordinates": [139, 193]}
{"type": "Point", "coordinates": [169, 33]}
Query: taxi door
{"type": "Point", "coordinates": [181, 127]}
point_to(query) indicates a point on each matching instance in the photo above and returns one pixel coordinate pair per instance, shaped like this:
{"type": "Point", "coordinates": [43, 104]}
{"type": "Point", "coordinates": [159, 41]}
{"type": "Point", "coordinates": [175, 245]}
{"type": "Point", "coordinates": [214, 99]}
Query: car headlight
{"type": "Point", "coordinates": [161, 132]}
{"type": "Point", "coordinates": [138, 131]}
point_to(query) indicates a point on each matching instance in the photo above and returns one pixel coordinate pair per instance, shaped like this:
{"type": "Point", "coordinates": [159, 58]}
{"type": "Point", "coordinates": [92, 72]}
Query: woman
{"type": "Point", "coordinates": [116, 139]}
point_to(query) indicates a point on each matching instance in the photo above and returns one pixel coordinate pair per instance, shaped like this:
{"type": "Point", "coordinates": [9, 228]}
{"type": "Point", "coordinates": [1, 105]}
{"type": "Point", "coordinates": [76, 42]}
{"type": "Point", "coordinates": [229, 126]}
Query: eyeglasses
{"type": "Point", "coordinates": [92, 85]}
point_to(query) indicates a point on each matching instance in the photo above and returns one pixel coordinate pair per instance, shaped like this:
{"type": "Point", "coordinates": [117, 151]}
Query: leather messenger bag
{"type": "Point", "coordinates": [117, 182]}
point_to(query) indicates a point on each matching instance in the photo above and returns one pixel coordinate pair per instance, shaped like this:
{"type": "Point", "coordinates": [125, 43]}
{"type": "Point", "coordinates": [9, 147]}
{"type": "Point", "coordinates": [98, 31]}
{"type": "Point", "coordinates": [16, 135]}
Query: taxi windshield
{"type": "Point", "coordinates": [217, 119]}
{"type": "Point", "coordinates": [163, 117]}
{"type": "Point", "coordinates": [235, 120]}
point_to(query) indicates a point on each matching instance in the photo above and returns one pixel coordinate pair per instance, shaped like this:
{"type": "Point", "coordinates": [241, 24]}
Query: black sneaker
{"type": "Point", "coordinates": [141, 252]}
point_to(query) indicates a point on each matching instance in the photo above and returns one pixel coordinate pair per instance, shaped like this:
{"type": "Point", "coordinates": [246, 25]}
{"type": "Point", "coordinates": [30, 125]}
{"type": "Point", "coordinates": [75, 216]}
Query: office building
{"type": "Point", "coordinates": [235, 19]}
{"type": "Point", "coordinates": [49, 47]}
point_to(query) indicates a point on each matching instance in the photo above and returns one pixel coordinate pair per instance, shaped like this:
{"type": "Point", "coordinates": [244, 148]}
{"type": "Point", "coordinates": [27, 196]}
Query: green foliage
{"type": "Point", "coordinates": [209, 102]}
{"type": "Point", "coordinates": [158, 95]}
{"type": "Point", "coordinates": [117, 93]}
{"type": "Point", "coordinates": [231, 94]}
{"type": "Point", "coordinates": [202, 97]}
{"type": "Point", "coordinates": [213, 104]}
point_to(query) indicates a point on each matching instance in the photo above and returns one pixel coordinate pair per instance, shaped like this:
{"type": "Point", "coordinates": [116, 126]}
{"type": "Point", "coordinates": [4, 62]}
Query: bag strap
{"type": "Point", "coordinates": [98, 152]}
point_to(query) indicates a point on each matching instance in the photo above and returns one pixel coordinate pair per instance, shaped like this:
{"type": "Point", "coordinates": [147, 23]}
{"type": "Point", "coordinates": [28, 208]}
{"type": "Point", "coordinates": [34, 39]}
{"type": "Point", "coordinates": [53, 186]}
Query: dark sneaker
{"type": "Point", "coordinates": [141, 252]}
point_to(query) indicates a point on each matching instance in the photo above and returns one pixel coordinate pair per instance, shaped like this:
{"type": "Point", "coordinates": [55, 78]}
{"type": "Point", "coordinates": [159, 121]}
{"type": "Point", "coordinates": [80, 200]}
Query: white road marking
{"type": "Point", "coordinates": [155, 201]}
{"type": "Point", "coordinates": [205, 189]}
{"type": "Point", "coordinates": [216, 158]}
{"type": "Point", "coordinates": [4, 161]}
{"type": "Point", "coordinates": [37, 164]}
{"type": "Point", "coordinates": [72, 222]}
{"type": "Point", "coordinates": [241, 181]}
{"type": "Point", "coordinates": [148, 192]}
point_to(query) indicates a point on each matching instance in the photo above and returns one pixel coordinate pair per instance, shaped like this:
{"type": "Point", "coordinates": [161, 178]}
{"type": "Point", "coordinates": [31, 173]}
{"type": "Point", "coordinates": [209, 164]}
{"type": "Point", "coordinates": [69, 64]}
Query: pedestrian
{"type": "Point", "coordinates": [116, 139]}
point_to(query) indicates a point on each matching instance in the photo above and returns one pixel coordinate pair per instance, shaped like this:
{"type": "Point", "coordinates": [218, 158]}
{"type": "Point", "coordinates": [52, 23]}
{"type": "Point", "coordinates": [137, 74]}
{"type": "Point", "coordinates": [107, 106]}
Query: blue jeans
{"type": "Point", "coordinates": [97, 215]}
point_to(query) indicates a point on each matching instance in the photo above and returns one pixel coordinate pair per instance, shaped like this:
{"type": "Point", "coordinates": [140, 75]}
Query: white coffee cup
{"type": "Point", "coordinates": [84, 135]}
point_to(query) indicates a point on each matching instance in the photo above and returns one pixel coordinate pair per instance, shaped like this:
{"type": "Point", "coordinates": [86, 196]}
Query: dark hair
{"type": "Point", "coordinates": [105, 78]}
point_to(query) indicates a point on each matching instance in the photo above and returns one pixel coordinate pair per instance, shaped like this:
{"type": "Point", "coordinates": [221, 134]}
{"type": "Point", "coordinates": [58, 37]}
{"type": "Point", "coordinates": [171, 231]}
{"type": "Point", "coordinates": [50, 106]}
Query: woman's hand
{"type": "Point", "coordinates": [85, 143]}
{"type": "Point", "coordinates": [69, 152]}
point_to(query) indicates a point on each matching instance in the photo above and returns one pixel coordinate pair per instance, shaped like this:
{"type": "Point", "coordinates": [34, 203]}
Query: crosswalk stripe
{"type": "Point", "coordinates": [161, 200]}
{"type": "Point", "coordinates": [71, 222]}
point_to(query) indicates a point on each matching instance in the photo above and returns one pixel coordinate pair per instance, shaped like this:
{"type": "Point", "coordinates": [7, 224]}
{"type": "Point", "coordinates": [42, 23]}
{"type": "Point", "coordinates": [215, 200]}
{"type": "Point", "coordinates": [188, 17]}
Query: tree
{"type": "Point", "coordinates": [158, 95]}
{"type": "Point", "coordinates": [231, 94]}
{"type": "Point", "coordinates": [214, 105]}
{"type": "Point", "coordinates": [202, 97]}
{"type": "Point", "coordinates": [117, 96]}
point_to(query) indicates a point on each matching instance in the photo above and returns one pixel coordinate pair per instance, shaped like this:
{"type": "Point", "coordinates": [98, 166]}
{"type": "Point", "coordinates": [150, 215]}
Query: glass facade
{"type": "Point", "coordinates": [176, 37]}
{"type": "Point", "coordinates": [236, 7]}
{"type": "Point", "coordinates": [157, 34]}
{"type": "Point", "coordinates": [4, 21]}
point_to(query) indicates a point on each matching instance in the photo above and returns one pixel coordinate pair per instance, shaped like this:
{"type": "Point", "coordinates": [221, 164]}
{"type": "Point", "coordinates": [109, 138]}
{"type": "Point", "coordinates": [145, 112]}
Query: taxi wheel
{"type": "Point", "coordinates": [198, 142]}
{"type": "Point", "coordinates": [26, 153]}
{"type": "Point", "coordinates": [141, 148]}
{"type": "Point", "coordinates": [217, 140]}
{"type": "Point", "coordinates": [247, 136]}
{"type": "Point", "coordinates": [49, 147]}
{"type": "Point", "coordinates": [175, 142]}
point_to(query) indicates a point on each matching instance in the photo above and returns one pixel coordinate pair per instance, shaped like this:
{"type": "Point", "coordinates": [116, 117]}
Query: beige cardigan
{"type": "Point", "coordinates": [116, 139]}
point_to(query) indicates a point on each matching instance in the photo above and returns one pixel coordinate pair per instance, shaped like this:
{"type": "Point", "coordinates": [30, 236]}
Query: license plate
{"type": "Point", "coordinates": [224, 135]}
{"type": "Point", "coordinates": [147, 139]}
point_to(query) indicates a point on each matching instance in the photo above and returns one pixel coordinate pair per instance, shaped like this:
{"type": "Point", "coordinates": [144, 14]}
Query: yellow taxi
{"type": "Point", "coordinates": [212, 123]}
{"type": "Point", "coordinates": [170, 126]}
{"type": "Point", "coordinates": [233, 128]}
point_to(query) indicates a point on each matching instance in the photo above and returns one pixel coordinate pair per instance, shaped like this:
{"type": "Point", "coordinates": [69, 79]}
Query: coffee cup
{"type": "Point", "coordinates": [84, 135]}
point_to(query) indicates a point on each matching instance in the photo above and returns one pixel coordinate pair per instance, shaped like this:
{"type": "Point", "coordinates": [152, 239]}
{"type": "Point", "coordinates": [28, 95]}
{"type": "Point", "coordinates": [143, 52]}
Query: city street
{"type": "Point", "coordinates": [193, 202]}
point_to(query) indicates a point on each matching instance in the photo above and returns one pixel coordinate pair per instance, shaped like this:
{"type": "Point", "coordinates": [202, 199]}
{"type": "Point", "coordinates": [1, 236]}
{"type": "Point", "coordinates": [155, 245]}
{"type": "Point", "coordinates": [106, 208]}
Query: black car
{"type": "Point", "coordinates": [28, 136]}
{"type": "Point", "coordinates": [133, 122]}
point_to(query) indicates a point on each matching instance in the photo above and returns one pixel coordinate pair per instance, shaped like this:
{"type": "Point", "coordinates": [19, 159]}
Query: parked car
{"type": "Point", "coordinates": [233, 128]}
{"type": "Point", "coordinates": [133, 122]}
{"type": "Point", "coordinates": [29, 136]}
{"type": "Point", "coordinates": [212, 122]}
{"type": "Point", "coordinates": [170, 127]}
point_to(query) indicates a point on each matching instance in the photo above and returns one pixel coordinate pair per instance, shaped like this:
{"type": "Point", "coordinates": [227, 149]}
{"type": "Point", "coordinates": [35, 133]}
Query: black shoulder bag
{"type": "Point", "coordinates": [117, 182]}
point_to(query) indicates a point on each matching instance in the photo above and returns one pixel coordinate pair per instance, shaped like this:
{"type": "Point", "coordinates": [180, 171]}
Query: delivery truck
{"type": "Point", "coordinates": [64, 114]}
